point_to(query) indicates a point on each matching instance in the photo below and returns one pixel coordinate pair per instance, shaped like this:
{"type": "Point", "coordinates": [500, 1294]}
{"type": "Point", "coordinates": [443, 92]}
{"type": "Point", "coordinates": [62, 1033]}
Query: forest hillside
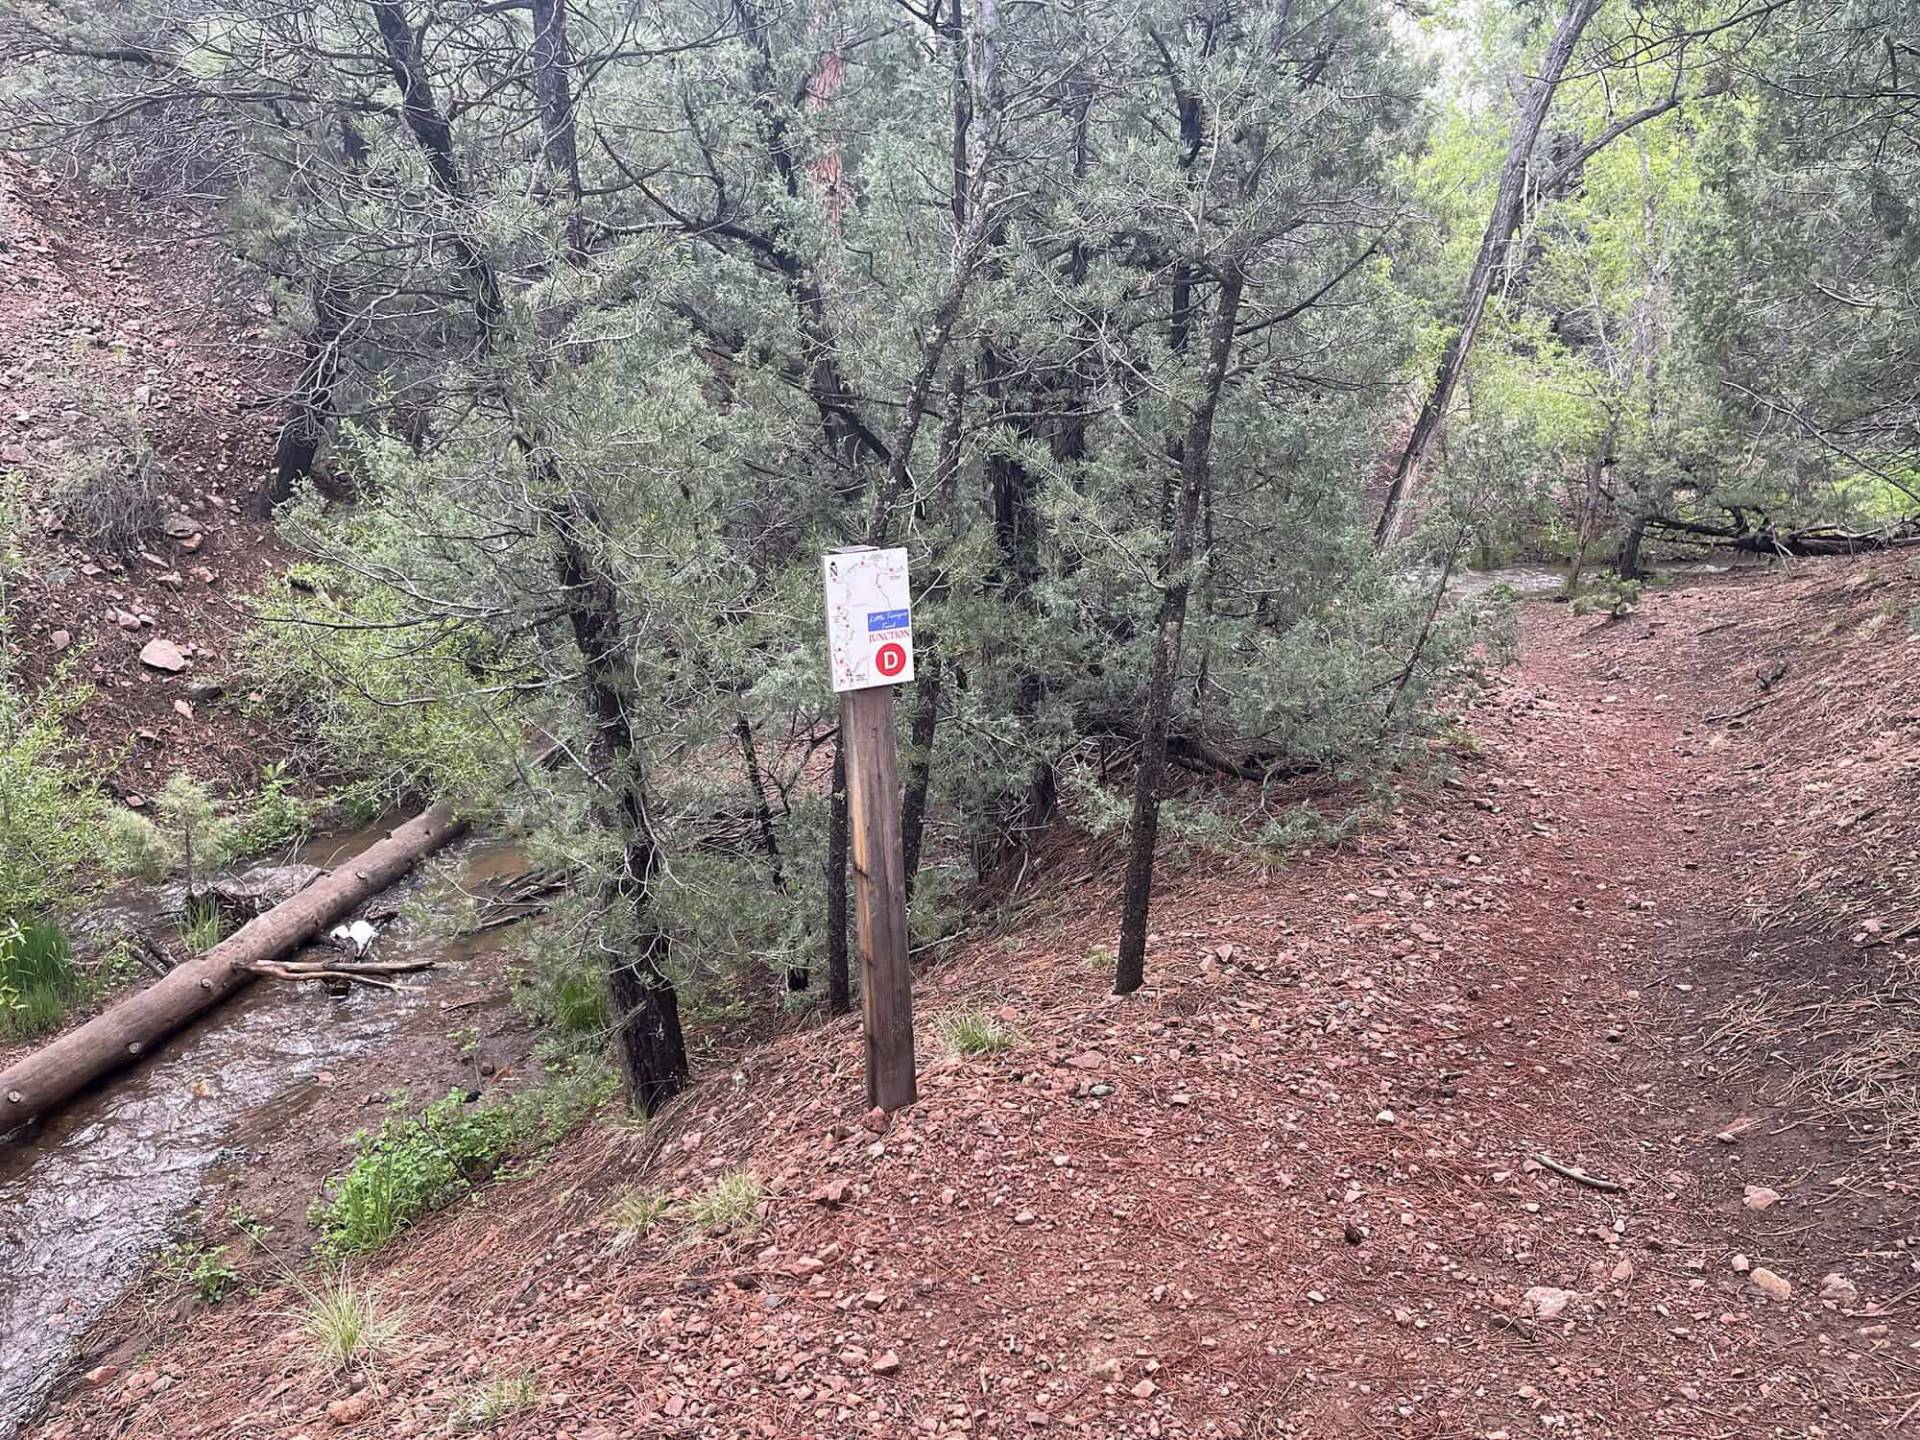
{"type": "Point", "coordinates": [856, 718]}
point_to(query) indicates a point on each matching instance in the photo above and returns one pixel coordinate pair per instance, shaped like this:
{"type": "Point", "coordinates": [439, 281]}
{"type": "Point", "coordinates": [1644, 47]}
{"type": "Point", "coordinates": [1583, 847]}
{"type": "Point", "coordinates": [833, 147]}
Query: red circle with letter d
{"type": "Point", "coordinates": [890, 659]}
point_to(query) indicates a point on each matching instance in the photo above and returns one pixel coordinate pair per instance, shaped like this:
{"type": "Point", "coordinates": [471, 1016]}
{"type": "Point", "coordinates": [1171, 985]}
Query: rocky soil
{"type": "Point", "coordinates": [113, 311]}
{"type": "Point", "coordinates": [1576, 1101]}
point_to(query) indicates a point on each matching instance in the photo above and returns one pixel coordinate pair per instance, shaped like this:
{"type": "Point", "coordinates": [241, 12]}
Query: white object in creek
{"type": "Point", "coordinates": [359, 937]}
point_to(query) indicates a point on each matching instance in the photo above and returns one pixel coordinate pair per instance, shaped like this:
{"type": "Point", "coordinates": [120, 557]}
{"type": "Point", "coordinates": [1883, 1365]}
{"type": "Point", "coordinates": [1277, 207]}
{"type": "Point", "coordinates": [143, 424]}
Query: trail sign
{"type": "Point", "coordinates": [869, 651]}
{"type": "Point", "coordinates": [869, 618]}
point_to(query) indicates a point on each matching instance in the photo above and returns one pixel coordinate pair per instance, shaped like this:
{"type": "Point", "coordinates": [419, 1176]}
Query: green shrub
{"type": "Point", "coordinates": [202, 1269]}
{"type": "Point", "coordinates": [412, 1167]}
{"type": "Point", "coordinates": [133, 847]}
{"type": "Point", "coordinates": [49, 806]}
{"type": "Point", "coordinates": [188, 835]}
{"type": "Point", "coordinates": [564, 993]}
{"type": "Point", "coordinates": [354, 694]}
{"type": "Point", "coordinates": [277, 816]}
{"type": "Point", "coordinates": [38, 979]}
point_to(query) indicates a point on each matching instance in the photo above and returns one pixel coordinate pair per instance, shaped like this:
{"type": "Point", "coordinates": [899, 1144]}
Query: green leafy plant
{"type": "Point", "coordinates": [49, 804]}
{"type": "Point", "coordinates": [277, 817]}
{"type": "Point", "coordinates": [203, 1269]}
{"type": "Point", "coordinates": [1609, 595]}
{"type": "Point", "coordinates": [413, 1166]}
{"type": "Point", "coordinates": [975, 1033]}
{"type": "Point", "coordinates": [731, 1203]}
{"type": "Point", "coordinates": [347, 1323]}
{"type": "Point", "coordinates": [564, 993]}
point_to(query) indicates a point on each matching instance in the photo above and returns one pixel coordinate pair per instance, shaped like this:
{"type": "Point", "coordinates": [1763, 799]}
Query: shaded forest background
{"type": "Point", "coordinates": [1193, 350]}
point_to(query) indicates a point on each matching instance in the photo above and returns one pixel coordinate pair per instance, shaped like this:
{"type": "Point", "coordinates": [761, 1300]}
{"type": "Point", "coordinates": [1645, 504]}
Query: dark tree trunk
{"type": "Point", "coordinates": [839, 982]}
{"type": "Point", "coordinates": [1508, 203]}
{"type": "Point", "coordinates": [1195, 456]}
{"type": "Point", "coordinates": [913, 800]}
{"type": "Point", "coordinates": [553, 91]}
{"type": "Point", "coordinates": [644, 1007]}
{"type": "Point", "coordinates": [797, 976]}
{"type": "Point", "coordinates": [306, 425]}
{"type": "Point", "coordinates": [1627, 566]}
{"type": "Point", "coordinates": [434, 134]}
{"type": "Point", "coordinates": [1591, 504]}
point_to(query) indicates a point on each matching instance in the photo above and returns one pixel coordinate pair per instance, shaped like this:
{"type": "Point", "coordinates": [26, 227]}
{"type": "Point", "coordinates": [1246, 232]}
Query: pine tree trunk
{"type": "Point", "coordinates": [1143, 833]}
{"type": "Point", "coordinates": [1508, 204]}
{"type": "Point", "coordinates": [839, 985]}
{"type": "Point", "coordinates": [553, 91]}
{"type": "Point", "coordinates": [644, 1008]}
{"type": "Point", "coordinates": [913, 801]}
{"type": "Point", "coordinates": [306, 427]}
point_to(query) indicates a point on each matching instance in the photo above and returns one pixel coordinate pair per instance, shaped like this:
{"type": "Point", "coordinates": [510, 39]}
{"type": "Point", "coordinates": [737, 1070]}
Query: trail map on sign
{"type": "Point", "coordinates": [869, 618]}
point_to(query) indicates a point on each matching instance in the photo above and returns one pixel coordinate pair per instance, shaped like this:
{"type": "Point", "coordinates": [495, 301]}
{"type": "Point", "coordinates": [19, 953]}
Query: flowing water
{"type": "Point", "coordinates": [87, 1201]}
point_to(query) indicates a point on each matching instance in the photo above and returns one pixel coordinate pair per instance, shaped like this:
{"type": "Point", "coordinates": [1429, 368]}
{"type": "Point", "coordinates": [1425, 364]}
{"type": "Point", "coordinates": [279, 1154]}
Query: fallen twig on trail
{"type": "Point", "coordinates": [1740, 714]}
{"type": "Point", "coordinates": [1579, 1176]}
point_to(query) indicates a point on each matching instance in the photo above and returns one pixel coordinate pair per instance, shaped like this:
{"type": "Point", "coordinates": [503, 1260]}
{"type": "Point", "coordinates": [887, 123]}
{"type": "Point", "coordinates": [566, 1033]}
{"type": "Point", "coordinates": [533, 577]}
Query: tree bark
{"type": "Point", "coordinates": [644, 1008]}
{"type": "Point", "coordinates": [1508, 202]}
{"type": "Point", "coordinates": [433, 132]}
{"type": "Point", "coordinates": [126, 1032]}
{"type": "Point", "coordinates": [1195, 457]}
{"type": "Point", "coordinates": [306, 427]}
{"type": "Point", "coordinates": [553, 92]}
{"type": "Point", "coordinates": [839, 986]}
{"type": "Point", "coordinates": [1591, 503]}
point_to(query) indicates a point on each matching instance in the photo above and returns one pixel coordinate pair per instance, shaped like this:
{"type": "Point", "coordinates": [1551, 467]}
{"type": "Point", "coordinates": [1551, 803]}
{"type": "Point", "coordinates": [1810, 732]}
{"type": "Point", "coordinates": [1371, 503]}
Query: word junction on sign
{"type": "Point", "coordinates": [869, 618]}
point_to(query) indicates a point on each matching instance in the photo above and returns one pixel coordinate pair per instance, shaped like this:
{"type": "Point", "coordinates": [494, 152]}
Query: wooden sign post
{"type": "Point", "coordinates": [870, 650]}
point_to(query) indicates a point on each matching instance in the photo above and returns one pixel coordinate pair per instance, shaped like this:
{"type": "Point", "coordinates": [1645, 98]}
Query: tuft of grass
{"type": "Point", "coordinates": [347, 1323]}
{"type": "Point", "coordinates": [496, 1400]}
{"type": "Point", "coordinates": [975, 1033]}
{"type": "Point", "coordinates": [635, 1213]}
{"type": "Point", "coordinates": [730, 1203]}
{"type": "Point", "coordinates": [38, 979]}
{"type": "Point", "coordinates": [201, 925]}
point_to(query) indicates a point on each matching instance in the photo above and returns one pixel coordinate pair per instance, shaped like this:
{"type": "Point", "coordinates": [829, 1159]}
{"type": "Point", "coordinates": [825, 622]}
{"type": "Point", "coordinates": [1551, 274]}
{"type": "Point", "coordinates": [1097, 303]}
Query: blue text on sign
{"type": "Point", "coordinates": [886, 620]}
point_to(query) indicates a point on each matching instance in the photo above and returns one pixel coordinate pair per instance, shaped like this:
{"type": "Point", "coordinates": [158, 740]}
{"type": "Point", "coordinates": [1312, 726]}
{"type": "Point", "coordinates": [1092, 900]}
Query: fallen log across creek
{"type": "Point", "coordinates": [128, 1030]}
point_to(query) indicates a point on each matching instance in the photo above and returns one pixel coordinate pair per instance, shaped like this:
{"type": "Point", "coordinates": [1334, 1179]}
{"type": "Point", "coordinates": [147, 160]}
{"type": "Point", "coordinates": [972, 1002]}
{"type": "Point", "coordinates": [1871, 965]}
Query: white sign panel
{"type": "Point", "coordinates": [869, 618]}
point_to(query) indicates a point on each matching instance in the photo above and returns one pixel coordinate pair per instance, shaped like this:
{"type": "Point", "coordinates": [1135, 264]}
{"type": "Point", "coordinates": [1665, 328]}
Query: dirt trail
{"type": "Point", "coordinates": [1292, 1189]}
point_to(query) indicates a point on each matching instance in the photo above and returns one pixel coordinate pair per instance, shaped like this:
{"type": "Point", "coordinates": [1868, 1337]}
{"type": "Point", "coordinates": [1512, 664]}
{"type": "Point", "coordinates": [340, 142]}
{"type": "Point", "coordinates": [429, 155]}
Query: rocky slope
{"type": "Point", "coordinates": [1504, 1120]}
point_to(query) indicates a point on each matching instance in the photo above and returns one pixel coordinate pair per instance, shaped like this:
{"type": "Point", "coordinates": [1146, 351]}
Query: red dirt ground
{"type": "Point", "coordinates": [136, 307]}
{"type": "Point", "coordinates": [1293, 1187]}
